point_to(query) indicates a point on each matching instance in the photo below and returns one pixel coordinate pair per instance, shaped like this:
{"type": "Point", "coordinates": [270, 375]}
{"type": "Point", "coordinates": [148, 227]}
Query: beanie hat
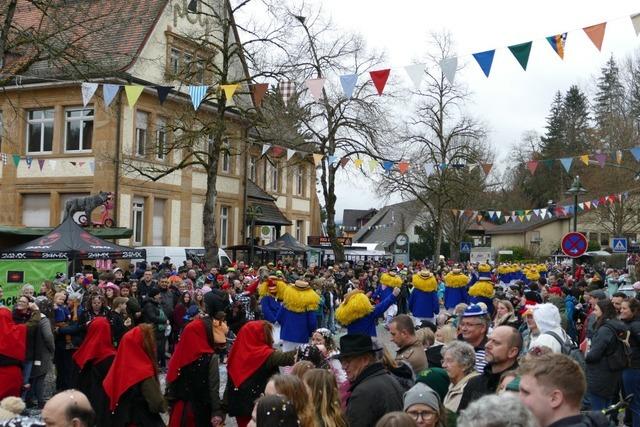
{"type": "Point", "coordinates": [436, 378]}
{"type": "Point", "coordinates": [422, 394]}
{"type": "Point", "coordinates": [546, 316]}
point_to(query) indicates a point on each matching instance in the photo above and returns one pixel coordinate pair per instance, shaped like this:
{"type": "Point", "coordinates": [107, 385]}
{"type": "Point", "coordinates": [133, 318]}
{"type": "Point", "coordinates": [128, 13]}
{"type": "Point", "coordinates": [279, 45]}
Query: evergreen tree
{"type": "Point", "coordinates": [552, 141]}
{"type": "Point", "coordinates": [609, 109]}
{"type": "Point", "coordinates": [576, 122]}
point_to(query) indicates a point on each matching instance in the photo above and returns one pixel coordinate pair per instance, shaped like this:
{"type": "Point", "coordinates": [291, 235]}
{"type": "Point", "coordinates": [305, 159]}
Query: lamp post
{"type": "Point", "coordinates": [575, 190]}
{"type": "Point", "coordinates": [253, 213]}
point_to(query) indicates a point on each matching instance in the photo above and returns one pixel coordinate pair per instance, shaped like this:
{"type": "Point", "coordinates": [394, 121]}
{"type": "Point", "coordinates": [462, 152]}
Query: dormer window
{"type": "Point", "coordinates": [193, 6]}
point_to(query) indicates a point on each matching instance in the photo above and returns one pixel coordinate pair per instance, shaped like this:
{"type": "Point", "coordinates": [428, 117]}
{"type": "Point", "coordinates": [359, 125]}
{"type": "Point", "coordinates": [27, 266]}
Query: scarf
{"type": "Point", "coordinates": [249, 352]}
{"type": "Point", "coordinates": [193, 344]}
{"type": "Point", "coordinates": [97, 345]}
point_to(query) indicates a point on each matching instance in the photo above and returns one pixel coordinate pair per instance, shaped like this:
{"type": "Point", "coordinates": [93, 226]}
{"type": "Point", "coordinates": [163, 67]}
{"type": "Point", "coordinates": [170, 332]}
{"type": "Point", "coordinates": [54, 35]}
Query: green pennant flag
{"type": "Point", "coordinates": [521, 52]}
{"type": "Point", "coordinates": [16, 159]}
{"type": "Point", "coordinates": [548, 163]}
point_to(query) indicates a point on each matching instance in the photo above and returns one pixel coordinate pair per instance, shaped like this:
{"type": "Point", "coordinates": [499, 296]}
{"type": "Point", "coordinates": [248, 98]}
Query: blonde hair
{"type": "Point", "coordinates": [324, 393]}
{"type": "Point", "coordinates": [301, 368]}
{"type": "Point", "coordinates": [293, 389]}
{"type": "Point", "coordinates": [448, 333]}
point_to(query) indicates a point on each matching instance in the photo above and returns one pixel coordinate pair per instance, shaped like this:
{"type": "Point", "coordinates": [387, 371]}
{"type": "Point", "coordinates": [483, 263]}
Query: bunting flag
{"type": "Point", "coordinates": [449, 66]}
{"type": "Point", "coordinates": [348, 83]}
{"type": "Point", "coordinates": [40, 164]}
{"type": "Point", "coordinates": [602, 159]}
{"type": "Point", "coordinates": [379, 78]}
{"type": "Point", "coordinates": [163, 92]}
{"type": "Point", "coordinates": [636, 153]}
{"type": "Point", "coordinates": [587, 204]}
{"type": "Point", "coordinates": [557, 43]}
{"type": "Point", "coordinates": [532, 165]}
{"type": "Point", "coordinates": [521, 52]}
{"type": "Point", "coordinates": [331, 159]}
{"type": "Point", "coordinates": [3, 157]}
{"type": "Point", "coordinates": [277, 151]}
{"type": "Point", "coordinates": [287, 89]}
{"type": "Point", "coordinates": [387, 165]}
{"type": "Point", "coordinates": [484, 60]}
{"type": "Point", "coordinates": [73, 164]}
{"type": "Point", "coordinates": [403, 167]}
{"type": "Point", "coordinates": [88, 90]}
{"type": "Point", "coordinates": [109, 93]}
{"type": "Point", "coordinates": [315, 86]}
{"type": "Point", "coordinates": [317, 159]}
{"type": "Point", "coordinates": [16, 160]}
{"type": "Point", "coordinates": [29, 161]}
{"type": "Point", "coordinates": [635, 20]}
{"type": "Point", "coordinates": [428, 169]}
{"type": "Point", "coordinates": [548, 163]}
{"type": "Point", "coordinates": [486, 167]}
{"type": "Point", "coordinates": [416, 73]}
{"type": "Point", "coordinates": [133, 92]}
{"type": "Point", "coordinates": [373, 165]}
{"type": "Point", "coordinates": [358, 163]}
{"type": "Point", "coordinates": [585, 159]}
{"type": "Point", "coordinates": [229, 90]}
{"type": "Point", "coordinates": [265, 148]}
{"type": "Point", "coordinates": [290, 153]}
{"type": "Point", "coordinates": [344, 161]}
{"type": "Point", "coordinates": [566, 163]}
{"type": "Point", "coordinates": [197, 94]}
{"type": "Point", "coordinates": [596, 34]}
{"type": "Point", "coordinates": [259, 90]}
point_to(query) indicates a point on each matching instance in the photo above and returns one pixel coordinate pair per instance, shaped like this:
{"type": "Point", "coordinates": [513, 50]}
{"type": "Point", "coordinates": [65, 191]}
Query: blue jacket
{"type": "Point", "coordinates": [424, 304]}
{"type": "Point", "coordinates": [270, 307]}
{"type": "Point", "coordinates": [296, 327]}
{"type": "Point", "coordinates": [488, 302]}
{"type": "Point", "coordinates": [381, 294]}
{"type": "Point", "coordinates": [454, 296]}
{"type": "Point", "coordinates": [367, 324]}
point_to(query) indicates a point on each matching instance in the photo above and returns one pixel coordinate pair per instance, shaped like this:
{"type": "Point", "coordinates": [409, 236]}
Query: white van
{"type": "Point", "coordinates": [178, 254]}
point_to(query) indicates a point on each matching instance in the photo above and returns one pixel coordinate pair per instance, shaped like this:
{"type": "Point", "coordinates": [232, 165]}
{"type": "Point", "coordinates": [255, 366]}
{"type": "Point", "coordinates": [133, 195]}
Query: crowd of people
{"type": "Point", "coordinates": [470, 345]}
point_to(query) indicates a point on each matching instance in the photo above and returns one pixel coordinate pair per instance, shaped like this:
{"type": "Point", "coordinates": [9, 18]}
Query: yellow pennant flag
{"type": "Point", "coordinates": [317, 158]}
{"type": "Point", "coordinates": [358, 163]}
{"type": "Point", "coordinates": [585, 159]}
{"type": "Point", "coordinates": [373, 165]}
{"type": "Point", "coordinates": [229, 90]}
{"type": "Point", "coordinates": [133, 93]}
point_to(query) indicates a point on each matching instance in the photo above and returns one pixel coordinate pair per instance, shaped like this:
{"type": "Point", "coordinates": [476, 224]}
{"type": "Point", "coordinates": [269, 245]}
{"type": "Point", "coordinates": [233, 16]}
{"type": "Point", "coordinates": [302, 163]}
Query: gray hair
{"type": "Point", "coordinates": [27, 287]}
{"type": "Point", "coordinates": [463, 353]}
{"type": "Point", "coordinates": [497, 411]}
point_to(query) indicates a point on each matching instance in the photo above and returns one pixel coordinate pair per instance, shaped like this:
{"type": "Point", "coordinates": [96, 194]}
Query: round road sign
{"type": "Point", "coordinates": [574, 244]}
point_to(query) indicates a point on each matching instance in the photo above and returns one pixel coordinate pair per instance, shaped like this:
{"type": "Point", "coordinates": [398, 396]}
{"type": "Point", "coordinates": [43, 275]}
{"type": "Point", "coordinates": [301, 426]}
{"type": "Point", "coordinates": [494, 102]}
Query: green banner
{"type": "Point", "coordinates": [14, 274]}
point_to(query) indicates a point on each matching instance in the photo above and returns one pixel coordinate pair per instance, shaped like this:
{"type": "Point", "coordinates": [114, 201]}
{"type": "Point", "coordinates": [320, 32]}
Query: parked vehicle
{"type": "Point", "coordinates": [179, 254]}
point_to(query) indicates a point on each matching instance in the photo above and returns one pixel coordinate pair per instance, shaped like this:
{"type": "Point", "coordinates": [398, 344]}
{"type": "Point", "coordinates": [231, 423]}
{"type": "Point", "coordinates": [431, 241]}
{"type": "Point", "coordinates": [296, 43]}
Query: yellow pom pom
{"type": "Point", "coordinates": [299, 301]}
{"type": "Point", "coordinates": [356, 305]}
{"type": "Point", "coordinates": [263, 289]}
{"type": "Point", "coordinates": [391, 281]}
{"type": "Point", "coordinates": [482, 288]}
{"type": "Point", "coordinates": [456, 280]}
{"type": "Point", "coordinates": [532, 275]}
{"type": "Point", "coordinates": [426, 285]}
{"type": "Point", "coordinates": [484, 268]}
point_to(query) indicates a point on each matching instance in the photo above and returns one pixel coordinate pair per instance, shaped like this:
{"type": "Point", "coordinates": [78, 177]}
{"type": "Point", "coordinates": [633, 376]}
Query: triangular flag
{"type": "Point", "coordinates": [557, 43]}
{"type": "Point", "coordinates": [387, 165]}
{"type": "Point", "coordinates": [498, 214]}
{"type": "Point", "coordinates": [53, 164]}
{"type": "Point", "coordinates": [331, 159]}
{"type": "Point", "coordinates": [109, 93]}
{"type": "Point", "coordinates": [373, 164]}
{"type": "Point", "coordinates": [41, 164]}
{"type": "Point", "coordinates": [163, 92]}
{"type": "Point", "coordinates": [416, 72]}
{"type": "Point", "coordinates": [587, 204]}
{"type": "Point", "coordinates": [197, 94]}
{"type": "Point", "coordinates": [290, 153]}
{"type": "Point", "coordinates": [277, 151]}
{"type": "Point", "coordinates": [92, 166]}
{"type": "Point", "coordinates": [548, 163]}
{"type": "Point", "coordinates": [513, 218]}
{"type": "Point", "coordinates": [543, 213]}
{"type": "Point", "coordinates": [133, 93]}
{"type": "Point", "coordinates": [229, 90]}
{"type": "Point", "coordinates": [580, 206]}
{"type": "Point", "coordinates": [265, 148]}
{"type": "Point", "coordinates": [566, 163]}
{"type": "Point", "coordinates": [317, 159]}
{"type": "Point", "coordinates": [73, 163]}
{"type": "Point", "coordinates": [521, 52]}
{"type": "Point", "coordinates": [81, 164]}
{"type": "Point", "coordinates": [479, 218]}
{"type": "Point", "coordinates": [403, 167]}
{"type": "Point", "coordinates": [486, 167]}
{"type": "Point", "coordinates": [358, 163]}
{"type": "Point", "coordinates": [88, 89]}
{"type": "Point", "coordinates": [348, 82]}
{"type": "Point", "coordinates": [16, 160]}
{"type": "Point", "coordinates": [521, 218]}
{"type": "Point", "coordinates": [28, 160]}
{"type": "Point", "coordinates": [536, 212]}
{"type": "Point", "coordinates": [379, 78]}
{"type": "Point", "coordinates": [485, 59]}
{"type": "Point", "coordinates": [443, 166]}
{"type": "Point", "coordinates": [454, 212]}
{"type": "Point", "coordinates": [472, 166]}
{"type": "Point", "coordinates": [585, 159]}
{"type": "Point", "coordinates": [428, 168]}
{"type": "Point", "coordinates": [287, 89]}
{"type": "Point", "coordinates": [259, 90]}
{"type": "Point", "coordinates": [315, 87]}
{"type": "Point", "coordinates": [449, 66]}
{"type": "Point", "coordinates": [595, 203]}
{"type": "Point", "coordinates": [619, 156]}
{"type": "Point", "coordinates": [344, 161]}
{"type": "Point", "coordinates": [596, 34]}
{"type": "Point", "coordinates": [636, 153]}
{"type": "Point", "coordinates": [635, 20]}
{"type": "Point", "coordinates": [532, 165]}
{"type": "Point", "coordinates": [602, 159]}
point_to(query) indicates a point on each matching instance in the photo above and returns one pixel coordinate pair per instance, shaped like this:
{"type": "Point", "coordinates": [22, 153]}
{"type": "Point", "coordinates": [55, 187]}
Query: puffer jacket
{"type": "Point", "coordinates": [634, 342]}
{"type": "Point", "coordinates": [601, 380]}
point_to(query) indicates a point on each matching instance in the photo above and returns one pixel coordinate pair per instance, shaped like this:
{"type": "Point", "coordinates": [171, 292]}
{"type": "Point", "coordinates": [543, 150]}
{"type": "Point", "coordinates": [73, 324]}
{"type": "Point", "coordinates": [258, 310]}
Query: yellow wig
{"type": "Point", "coordinates": [456, 280]}
{"type": "Point", "coordinates": [503, 269]}
{"type": "Point", "coordinates": [356, 305]}
{"type": "Point", "coordinates": [484, 268]}
{"type": "Point", "coordinates": [300, 300]}
{"type": "Point", "coordinates": [532, 275]}
{"type": "Point", "coordinates": [426, 285]}
{"type": "Point", "coordinates": [391, 281]}
{"type": "Point", "coordinates": [542, 268]}
{"type": "Point", "coordinates": [263, 289]}
{"type": "Point", "coordinates": [482, 288]}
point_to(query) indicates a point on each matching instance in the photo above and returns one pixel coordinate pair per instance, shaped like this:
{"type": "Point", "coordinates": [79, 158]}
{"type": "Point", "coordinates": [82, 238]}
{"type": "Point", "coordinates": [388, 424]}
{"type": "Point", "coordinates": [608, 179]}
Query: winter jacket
{"type": "Point", "coordinates": [634, 342]}
{"type": "Point", "coordinates": [414, 355]}
{"type": "Point", "coordinates": [152, 313]}
{"type": "Point", "coordinates": [601, 380]}
{"type": "Point", "coordinates": [374, 393]}
{"type": "Point", "coordinates": [44, 347]}
{"type": "Point", "coordinates": [483, 384]}
{"type": "Point", "coordinates": [587, 419]}
{"type": "Point", "coordinates": [424, 305]}
{"type": "Point", "coordinates": [270, 307]}
{"type": "Point", "coordinates": [367, 324]}
{"type": "Point", "coordinates": [168, 301]}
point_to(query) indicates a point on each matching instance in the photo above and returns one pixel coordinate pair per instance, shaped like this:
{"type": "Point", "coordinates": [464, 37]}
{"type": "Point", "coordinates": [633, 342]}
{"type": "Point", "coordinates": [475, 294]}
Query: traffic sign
{"type": "Point", "coordinates": [619, 245]}
{"type": "Point", "coordinates": [574, 244]}
{"type": "Point", "coordinates": [465, 247]}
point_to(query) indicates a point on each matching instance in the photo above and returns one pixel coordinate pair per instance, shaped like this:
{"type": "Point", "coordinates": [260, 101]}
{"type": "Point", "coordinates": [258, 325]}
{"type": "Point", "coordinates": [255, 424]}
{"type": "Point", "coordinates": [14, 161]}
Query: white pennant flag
{"type": "Point", "coordinates": [290, 153]}
{"type": "Point", "coordinates": [472, 166]}
{"type": "Point", "coordinates": [528, 217]}
{"type": "Point", "coordinates": [315, 87]}
{"type": "Point", "coordinates": [635, 20]}
{"type": "Point", "coordinates": [543, 213]}
{"type": "Point", "coordinates": [428, 168]}
{"type": "Point", "coordinates": [88, 89]}
{"type": "Point", "coordinates": [499, 213]}
{"type": "Point", "coordinates": [449, 66]}
{"type": "Point", "coordinates": [536, 212]}
{"type": "Point", "coordinates": [491, 213]}
{"type": "Point", "coordinates": [265, 148]}
{"type": "Point", "coordinates": [416, 72]}
{"type": "Point", "coordinates": [53, 164]}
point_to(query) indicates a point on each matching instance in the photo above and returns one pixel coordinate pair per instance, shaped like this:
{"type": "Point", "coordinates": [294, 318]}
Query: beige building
{"type": "Point", "coordinates": [77, 150]}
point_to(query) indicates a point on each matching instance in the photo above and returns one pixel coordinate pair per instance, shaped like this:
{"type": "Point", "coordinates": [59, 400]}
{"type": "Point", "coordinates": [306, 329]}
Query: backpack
{"type": "Point", "coordinates": [620, 357]}
{"type": "Point", "coordinates": [569, 348]}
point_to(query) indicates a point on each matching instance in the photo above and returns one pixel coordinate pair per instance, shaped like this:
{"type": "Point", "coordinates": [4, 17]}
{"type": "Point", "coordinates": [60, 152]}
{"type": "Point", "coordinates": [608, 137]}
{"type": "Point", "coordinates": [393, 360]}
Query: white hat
{"type": "Point", "coordinates": [546, 316]}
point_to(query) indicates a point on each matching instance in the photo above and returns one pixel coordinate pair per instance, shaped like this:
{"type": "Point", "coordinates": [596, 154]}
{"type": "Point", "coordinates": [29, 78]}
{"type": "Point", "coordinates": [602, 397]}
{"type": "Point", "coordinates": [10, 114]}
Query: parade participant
{"type": "Point", "coordinates": [455, 288]}
{"type": "Point", "coordinates": [388, 282]}
{"type": "Point", "coordinates": [482, 289]}
{"type": "Point", "coordinates": [423, 302]}
{"type": "Point", "coordinates": [252, 362]}
{"type": "Point", "coordinates": [131, 385]}
{"type": "Point", "coordinates": [270, 292]}
{"type": "Point", "coordinates": [297, 314]}
{"type": "Point", "coordinates": [193, 378]}
{"type": "Point", "coordinates": [358, 315]}
{"type": "Point", "coordinates": [13, 346]}
{"type": "Point", "coordinates": [93, 360]}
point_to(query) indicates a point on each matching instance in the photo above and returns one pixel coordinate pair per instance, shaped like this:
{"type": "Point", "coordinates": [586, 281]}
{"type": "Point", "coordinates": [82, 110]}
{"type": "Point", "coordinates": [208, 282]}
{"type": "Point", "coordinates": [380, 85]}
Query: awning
{"type": "Point", "coordinates": [102, 232]}
{"type": "Point", "coordinates": [265, 203]}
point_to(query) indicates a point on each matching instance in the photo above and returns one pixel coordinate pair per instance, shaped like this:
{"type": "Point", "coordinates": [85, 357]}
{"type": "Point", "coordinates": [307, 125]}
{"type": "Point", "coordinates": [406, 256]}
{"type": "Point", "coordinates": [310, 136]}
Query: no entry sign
{"type": "Point", "coordinates": [574, 244]}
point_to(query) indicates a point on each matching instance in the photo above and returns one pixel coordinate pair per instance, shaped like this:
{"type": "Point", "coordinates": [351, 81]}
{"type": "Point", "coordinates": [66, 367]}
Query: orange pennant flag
{"type": "Point", "coordinates": [317, 159]}
{"type": "Point", "coordinates": [455, 212]}
{"type": "Point", "coordinates": [486, 167]}
{"type": "Point", "coordinates": [403, 167]}
{"type": "Point", "coordinates": [596, 34]}
{"type": "Point", "coordinates": [259, 90]}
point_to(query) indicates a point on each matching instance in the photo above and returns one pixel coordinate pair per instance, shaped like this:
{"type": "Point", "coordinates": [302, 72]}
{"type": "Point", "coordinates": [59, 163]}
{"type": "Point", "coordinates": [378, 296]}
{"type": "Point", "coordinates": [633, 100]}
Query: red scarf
{"type": "Point", "coordinates": [193, 344]}
{"type": "Point", "coordinates": [13, 343]}
{"type": "Point", "coordinates": [97, 345]}
{"type": "Point", "coordinates": [131, 366]}
{"type": "Point", "coordinates": [249, 352]}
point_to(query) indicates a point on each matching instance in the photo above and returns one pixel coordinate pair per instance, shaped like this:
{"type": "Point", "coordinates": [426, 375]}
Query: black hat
{"type": "Point", "coordinates": [153, 292]}
{"type": "Point", "coordinates": [355, 345]}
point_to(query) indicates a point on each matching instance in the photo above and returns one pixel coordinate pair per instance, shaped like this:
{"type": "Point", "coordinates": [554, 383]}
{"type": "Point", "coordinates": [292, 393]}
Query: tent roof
{"type": "Point", "coordinates": [287, 242]}
{"type": "Point", "coordinates": [70, 241]}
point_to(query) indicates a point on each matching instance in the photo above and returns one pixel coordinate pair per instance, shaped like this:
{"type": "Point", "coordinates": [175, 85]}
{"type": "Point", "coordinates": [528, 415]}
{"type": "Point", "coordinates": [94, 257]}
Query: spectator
{"type": "Point", "coordinates": [630, 314]}
{"type": "Point", "coordinates": [474, 326]}
{"type": "Point", "coordinates": [443, 335]}
{"type": "Point", "coordinates": [410, 350]}
{"type": "Point", "coordinates": [505, 315]}
{"type": "Point", "coordinates": [44, 348]}
{"type": "Point", "coordinates": [617, 299]}
{"type": "Point", "coordinates": [274, 411]}
{"type": "Point", "coordinates": [547, 319]}
{"type": "Point", "coordinates": [293, 389]}
{"type": "Point", "coordinates": [118, 318]}
{"type": "Point", "coordinates": [396, 419]}
{"type": "Point", "coordinates": [422, 403]}
{"type": "Point", "coordinates": [153, 314]}
{"type": "Point", "coordinates": [69, 408]}
{"type": "Point", "coordinates": [497, 411]}
{"type": "Point", "coordinates": [459, 362]}
{"type": "Point", "coordinates": [324, 393]}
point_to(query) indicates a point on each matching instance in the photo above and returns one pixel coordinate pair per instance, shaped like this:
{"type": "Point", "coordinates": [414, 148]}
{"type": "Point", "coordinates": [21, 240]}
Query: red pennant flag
{"type": "Point", "coordinates": [587, 205]}
{"type": "Point", "coordinates": [532, 166]}
{"type": "Point", "coordinates": [486, 167]}
{"type": "Point", "coordinates": [379, 78]}
{"type": "Point", "coordinates": [596, 34]}
{"type": "Point", "coordinates": [603, 200]}
{"type": "Point", "coordinates": [612, 198]}
{"type": "Point", "coordinates": [344, 161]}
{"type": "Point", "coordinates": [403, 167]}
{"type": "Point", "coordinates": [259, 90]}
{"type": "Point", "coordinates": [277, 151]}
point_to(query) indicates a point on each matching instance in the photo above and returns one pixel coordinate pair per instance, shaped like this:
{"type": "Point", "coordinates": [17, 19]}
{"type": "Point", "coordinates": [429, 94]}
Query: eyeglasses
{"type": "Point", "coordinates": [469, 325]}
{"type": "Point", "coordinates": [425, 415]}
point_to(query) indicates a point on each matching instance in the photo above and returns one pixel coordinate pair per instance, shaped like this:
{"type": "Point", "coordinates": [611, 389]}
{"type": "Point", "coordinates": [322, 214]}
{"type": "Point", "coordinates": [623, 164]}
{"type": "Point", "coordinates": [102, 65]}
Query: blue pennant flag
{"type": "Point", "coordinates": [348, 82]}
{"type": "Point", "coordinates": [443, 166]}
{"type": "Point", "coordinates": [197, 94]}
{"type": "Point", "coordinates": [566, 163]}
{"type": "Point", "coordinates": [332, 159]}
{"type": "Point", "coordinates": [387, 165]}
{"type": "Point", "coordinates": [485, 59]}
{"type": "Point", "coordinates": [636, 153]}
{"type": "Point", "coordinates": [109, 92]}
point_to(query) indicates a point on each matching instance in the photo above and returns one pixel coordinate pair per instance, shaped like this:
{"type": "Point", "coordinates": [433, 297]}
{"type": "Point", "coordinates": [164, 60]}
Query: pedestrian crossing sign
{"type": "Point", "coordinates": [619, 245]}
{"type": "Point", "coordinates": [465, 247]}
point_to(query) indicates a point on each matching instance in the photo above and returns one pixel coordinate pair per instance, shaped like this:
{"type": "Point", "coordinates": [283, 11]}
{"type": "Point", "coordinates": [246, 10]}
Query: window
{"type": "Point", "coordinates": [186, 65]}
{"type": "Point", "coordinates": [604, 239]}
{"type": "Point", "coordinates": [299, 227]}
{"type": "Point", "coordinates": [142, 123]}
{"type": "Point", "coordinates": [224, 225]}
{"type": "Point", "coordinates": [274, 177]}
{"type": "Point", "coordinates": [199, 72]}
{"type": "Point", "coordinates": [138, 220]}
{"type": "Point", "coordinates": [40, 131]}
{"type": "Point", "coordinates": [174, 61]}
{"type": "Point", "coordinates": [158, 222]}
{"type": "Point", "coordinates": [35, 210]}
{"type": "Point", "coordinates": [161, 139]}
{"type": "Point", "coordinates": [253, 169]}
{"type": "Point", "coordinates": [79, 129]}
{"type": "Point", "coordinates": [299, 180]}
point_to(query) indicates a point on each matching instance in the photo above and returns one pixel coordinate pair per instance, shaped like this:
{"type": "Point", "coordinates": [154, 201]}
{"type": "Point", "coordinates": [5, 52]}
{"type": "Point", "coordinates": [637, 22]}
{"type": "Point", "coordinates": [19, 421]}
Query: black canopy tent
{"type": "Point", "coordinates": [71, 242]}
{"type": "Point", "coordinates": [287, 245]}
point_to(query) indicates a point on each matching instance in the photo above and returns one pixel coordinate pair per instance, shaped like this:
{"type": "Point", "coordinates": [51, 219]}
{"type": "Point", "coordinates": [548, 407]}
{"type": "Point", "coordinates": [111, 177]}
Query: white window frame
{"type": "Point", "coordinates": [224, 225]}
{"type": "Point", "coordinates": [299, 228]}
{"type": "Point", "coordinates": [161, 139]}
{"type": "Point", "coordinates": [42, 123]}
{"type": "Point", "coordinates": [253, 169]}
{"type": "Point", "coordinates": [274, 178]}
{"type": "Point", "coordinates": [137, 221]}
{"type": "Point", "coordinates": [174, 60]}
{"type": "Point", "coordinates": [142, 131]}
{"type": "Point", "coordinates": [299, 181]}
{"type": "Point", "coordinates": [84, 117]}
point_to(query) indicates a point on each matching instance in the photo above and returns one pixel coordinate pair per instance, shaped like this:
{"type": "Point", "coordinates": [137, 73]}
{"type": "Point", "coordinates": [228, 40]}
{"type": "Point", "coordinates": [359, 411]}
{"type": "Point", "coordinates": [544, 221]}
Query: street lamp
{"type": "Point", "coordinates": [253, 213]}
{"type": "Point", "coordinates": [575, 190]}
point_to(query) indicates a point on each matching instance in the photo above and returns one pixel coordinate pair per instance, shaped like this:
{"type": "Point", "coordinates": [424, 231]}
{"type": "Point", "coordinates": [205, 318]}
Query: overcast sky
{"type": "Point", "coordinates": [511, 101]}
